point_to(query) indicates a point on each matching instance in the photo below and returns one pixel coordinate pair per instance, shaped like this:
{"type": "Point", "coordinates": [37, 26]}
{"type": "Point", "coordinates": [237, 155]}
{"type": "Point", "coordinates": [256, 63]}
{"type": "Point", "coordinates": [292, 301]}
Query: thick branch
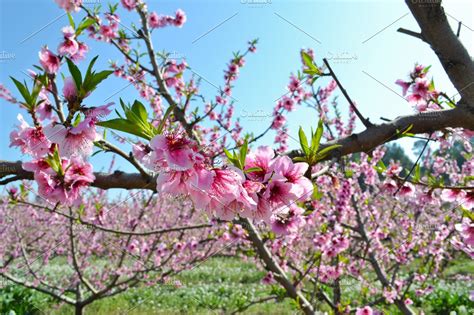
{"type": "Point", "coordinates": [117, 179]}
{"type": "Point", "coordinates": [365, 141]}
{"type": "Point", "coordinates": [421, 123]}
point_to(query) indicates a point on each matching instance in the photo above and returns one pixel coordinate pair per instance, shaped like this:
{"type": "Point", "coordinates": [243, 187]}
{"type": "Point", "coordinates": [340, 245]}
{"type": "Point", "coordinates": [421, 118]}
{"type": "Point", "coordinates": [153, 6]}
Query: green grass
{"type": "Point", "coordinates": [222, 285]}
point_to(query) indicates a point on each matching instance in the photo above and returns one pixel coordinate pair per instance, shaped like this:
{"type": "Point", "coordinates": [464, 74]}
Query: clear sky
{"type": "Point", "coordinates": [364, 30]}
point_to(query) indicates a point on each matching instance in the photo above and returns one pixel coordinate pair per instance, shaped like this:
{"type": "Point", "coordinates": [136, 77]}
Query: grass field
{"type": "Point", "coordinates": [223, 285]}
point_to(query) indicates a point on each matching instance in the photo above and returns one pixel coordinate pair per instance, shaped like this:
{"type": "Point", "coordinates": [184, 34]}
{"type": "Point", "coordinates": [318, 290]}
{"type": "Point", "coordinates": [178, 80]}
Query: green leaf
{"type": "Point", "coordinates": [99, 77]}
{"type": "Point", "coordinates": [91, 65]}
{"type": "Point", "coordinates": [243, 152]}
{"type": "Point", "coordinates": [140, 111]}
{"type": "Point", "coordinates": [71, 21]}
{"type": "Point", "coordinates": [324, 152]}
{"type": "Point", "coordinates": [317, 195]}
{"type": "Point", "coordinates": [380, 167]}
{"type": "Point", "coordinates": [308, 61]}
{"type": "Point", "coordinates": [76, 73]}
{"type": "Point", "coordinates": [23, 89]}
{"type": "Point", "coordinates": [316, 138]}
{"type": "Point", "coordinates": [253, 169]}
{"type": "Point", "coordinates": [125, 126]}
{"type": "Point", "coordinates": [417, 175]}
{"type": "Point", "coordinates": [84, 24]}
{"type": "Point", "coordinates": [228, 154]}
{"type": "Point", "coordinates": [300, 159]}
{"type": "Point", "coordinates": [303, 142]}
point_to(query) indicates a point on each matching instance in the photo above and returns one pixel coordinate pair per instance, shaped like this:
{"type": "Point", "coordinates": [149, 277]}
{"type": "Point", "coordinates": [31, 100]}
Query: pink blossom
{"type": "Point", "coordinates": [268, 279]}
{"type": "Point", "coordinates": [45, 109]}
{"type": "Point", "coordinates": [404, 85]}
{"type": "Point", "coordinates": [294, 174]}
{"type": "Point", "coordinates": [69, 46]}
{"type": "Point", "coordinates": [49, 61]}
{"type": "Point", "coordinates": [390, 295]}
{"type": "Point", "coordinates": [278, 121]}
{"type": "Point", "coordinates": [108, 32]}
{"type": "Point", "coordinates": [287, 219]}
{"type": "Point", "coordinates": [180, 18]}
{"type": "Point", "coordinates": [69, 90]}
{"type": "Point", "coordinates": [227, 194]}
{"type": "Point", "coordinates": [71, 141]}
{"type": "Point", "coordinates": [6, 94]}
{"type": "Point", "coordinates": [129, 4]}
{"type": "Point", "coordinates": [156, 21]}
{"type": "Point", "coordinates": [65, 187]}
{"type": "Point", "coordinates": [407, 189]}
{"type": "Point", "coordinates": [81, 52]}
{"type": "Point", "coordinates": [30, 140]}
{"type": "Point", "coordinates": [97, 112]}
{"type": "Point", "coordinates": [175, 151]}
{"type": "Point", "coordinates": [279, 192]}
{"type": "Point", "coordinates": [261, 159]}
{"type": "Point", "coordinates": [452, 195]}
{"type": "Point", "coordinates": [70, 5]}
{"type": "Point", "coordinates": [196, 182]}
{"type": "Point", "coordinates": [466, 230]}
{"type": "Point", "coordinates": [367, 310]}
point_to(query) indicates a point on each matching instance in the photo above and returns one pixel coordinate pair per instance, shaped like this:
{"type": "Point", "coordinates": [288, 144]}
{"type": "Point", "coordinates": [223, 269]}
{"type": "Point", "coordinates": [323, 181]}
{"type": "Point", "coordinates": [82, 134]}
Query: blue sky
{"type": "Point", "coordinates": [365, 30]}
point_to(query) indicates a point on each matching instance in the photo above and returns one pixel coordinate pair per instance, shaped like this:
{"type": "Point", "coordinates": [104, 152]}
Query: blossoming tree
{"type": "Point", "coordinates": [316, 218]}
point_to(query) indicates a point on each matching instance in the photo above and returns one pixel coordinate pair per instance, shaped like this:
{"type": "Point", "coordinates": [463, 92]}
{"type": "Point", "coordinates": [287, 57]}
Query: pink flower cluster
{"type": "Point", "coordinates": [31, 140]}
{"type": "Point", "coordinates": [65, 186]}
{"type": "Point", "coordinates": [70, 5]}
{"type": "Point", "coordinates": [129, 4]}
{"type": "Point", "coordinates": [7, 95]}
{"type": "Point", "coordinates": [466, 233]}
{"type": "Point", "coordinates": [77, 140]}
{"type": "Point", "coordinates": [268, 188]}
{"type": "Point", "coordinates": [158, 21]}
{"type": "Point", "coordinates": [70, 46]}
{"type": "Point", "coordinates": [74, 144]}
{"type": "Point", "coordinates": [49, 60]}
{"type": "Point", "coordinates": [421, 91]}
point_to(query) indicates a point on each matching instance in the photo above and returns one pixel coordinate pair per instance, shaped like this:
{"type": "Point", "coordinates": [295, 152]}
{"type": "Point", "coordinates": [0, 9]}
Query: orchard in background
{"type": "Point", "coordinates": [323, 221]}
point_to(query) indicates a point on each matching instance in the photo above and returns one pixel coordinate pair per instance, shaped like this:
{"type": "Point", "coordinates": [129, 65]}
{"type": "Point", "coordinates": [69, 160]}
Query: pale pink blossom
{"type": "Point", "coordinates": [294, 174]}
{"type": "Point", "coordinates": [287, 219]}
{"type": "Point", "coordinates": [69, 89]}
{"type": "Point", "coordinates": [180, 18]}
{"type": "Point", "coordinates": [71, 141]}
{"type": "Point", "coordinates": [405, 86]}
{"type": "Point", "coordinates": [466, 230]}
{"type": "Point", "coordinates": [66, 187]}
{"type": "Point", "coordinates": [174, 151]}
{"type": "Point", "coordinates": [30, 140]}
{"type": "Point", "coordinates": [69, 46]}
{"type": "Point", "coordinates": [70, 5]}
{"type": "Point", "coordinates": [261, 159]}
{"type": "Point", "coordinates": [129, 4]}
{"type": "Point", "coordinates": [49, 61]}
{"type": "Point", "coordinates": [367, 310]}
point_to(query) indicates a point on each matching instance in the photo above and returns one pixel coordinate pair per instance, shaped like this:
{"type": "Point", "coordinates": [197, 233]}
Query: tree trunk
{"type": "Point", "coordinates": [79, 309]}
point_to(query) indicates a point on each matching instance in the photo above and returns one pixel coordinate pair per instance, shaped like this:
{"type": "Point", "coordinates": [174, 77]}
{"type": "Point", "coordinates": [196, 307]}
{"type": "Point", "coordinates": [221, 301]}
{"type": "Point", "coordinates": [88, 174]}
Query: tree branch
{"type": "Point", "coordinates": [116, 179]}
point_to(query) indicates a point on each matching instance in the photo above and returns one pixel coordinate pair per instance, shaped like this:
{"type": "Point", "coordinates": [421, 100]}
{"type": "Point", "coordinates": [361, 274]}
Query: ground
{"type": "Point", "coordinates": [222, 285]}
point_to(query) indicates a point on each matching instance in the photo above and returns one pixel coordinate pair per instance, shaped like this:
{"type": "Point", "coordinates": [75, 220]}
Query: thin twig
{"type": "Point", "coordinates": [364, 120]}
